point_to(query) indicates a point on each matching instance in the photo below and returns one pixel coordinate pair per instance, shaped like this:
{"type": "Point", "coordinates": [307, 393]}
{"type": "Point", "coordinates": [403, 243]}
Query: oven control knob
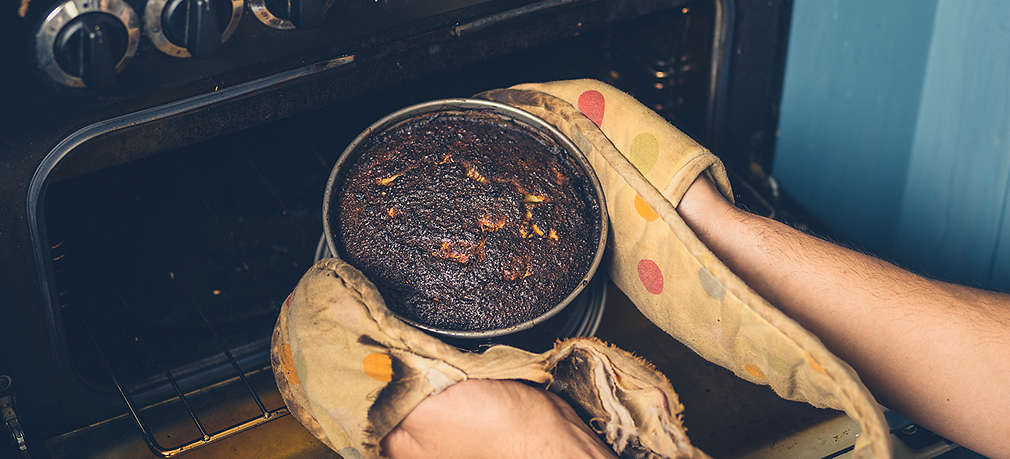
{"type": "Point", "coordinates": [291, 14]}
{"type": "Point", "coordinates": [89, 47]}
{"type": "Point", "coordinates": [85, 43]}
{"type": "Point", "coordinates": [191, 28]}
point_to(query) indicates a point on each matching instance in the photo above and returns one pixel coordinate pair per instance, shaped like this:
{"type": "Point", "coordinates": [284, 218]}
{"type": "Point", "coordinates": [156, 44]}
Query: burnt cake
{"type": "Point", "coordinates": [466, 220]}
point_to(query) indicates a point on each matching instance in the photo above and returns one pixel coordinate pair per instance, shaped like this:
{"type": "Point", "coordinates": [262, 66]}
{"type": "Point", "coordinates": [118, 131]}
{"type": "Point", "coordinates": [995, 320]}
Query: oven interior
{"type": "Point", "coordinates": [168, 272]}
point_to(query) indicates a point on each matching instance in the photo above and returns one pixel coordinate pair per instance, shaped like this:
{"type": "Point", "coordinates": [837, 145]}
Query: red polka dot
{"type": "Point", "coordinates": [591, 103]}
{"type": "Point", "coordinates": [650, 275]}
{"type": "Point", "coordinates": [287, 301]}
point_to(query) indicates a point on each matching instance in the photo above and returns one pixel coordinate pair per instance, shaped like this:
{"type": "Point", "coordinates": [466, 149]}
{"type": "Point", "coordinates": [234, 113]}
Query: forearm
{"type": "Point", "coordinates": [939, 353]}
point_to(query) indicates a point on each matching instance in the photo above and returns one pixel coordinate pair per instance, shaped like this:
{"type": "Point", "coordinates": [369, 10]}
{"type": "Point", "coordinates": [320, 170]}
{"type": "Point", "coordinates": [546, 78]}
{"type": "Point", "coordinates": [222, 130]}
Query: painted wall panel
{"type": "Point", "coordinates": [999, 277]}
{"type": "Point", "coordinates": [956, 185]}
{"type": "Point", "coordinates": [850, 100]}
{"type": "Point", "coordinates": [895, 130]}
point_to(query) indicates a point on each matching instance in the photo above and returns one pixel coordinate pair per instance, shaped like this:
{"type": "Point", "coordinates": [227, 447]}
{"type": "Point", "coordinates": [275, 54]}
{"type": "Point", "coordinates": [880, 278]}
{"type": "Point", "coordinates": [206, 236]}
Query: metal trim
{"type": "Point", "coordinates": [722, 42]}
{"type": "Point", "coordinates": [482, 23]}
{"type": "Point", "coordinates": [155, 33]}
{"type": "Point", "coordinates": [260, 10]}
{"type": "Point", "coordinates": [45, 38]}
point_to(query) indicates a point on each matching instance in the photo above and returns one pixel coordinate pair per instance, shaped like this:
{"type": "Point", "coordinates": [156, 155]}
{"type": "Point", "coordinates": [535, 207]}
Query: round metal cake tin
{"type": "Point", "coordinates": [522, 118]}
{"type": "Point", "coordinates": [581, 318]}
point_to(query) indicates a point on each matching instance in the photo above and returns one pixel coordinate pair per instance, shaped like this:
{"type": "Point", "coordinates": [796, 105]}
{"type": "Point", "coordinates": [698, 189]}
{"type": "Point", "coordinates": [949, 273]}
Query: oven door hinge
{"type": "Point", "coordinates": [10, 417]}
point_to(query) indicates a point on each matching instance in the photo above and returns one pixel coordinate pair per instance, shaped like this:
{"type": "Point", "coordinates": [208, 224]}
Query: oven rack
{"type": "Point", "coordinates": [205, 437]}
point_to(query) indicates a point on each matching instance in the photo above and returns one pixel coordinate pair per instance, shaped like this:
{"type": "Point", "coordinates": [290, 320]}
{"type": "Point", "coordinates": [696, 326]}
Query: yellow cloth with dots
{"type": "Point", "coordinates": [645, 166]}
{"type": "Point", "coordinates": [349, 370]}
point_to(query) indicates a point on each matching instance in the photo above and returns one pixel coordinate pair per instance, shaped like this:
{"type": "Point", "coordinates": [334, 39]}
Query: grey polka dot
{"type": "Point", "coordinates": [711, 285]}
{"type": "Point", "coordinates": [581, 141]}
{"type": "Point", "coordinates": [349, 452]}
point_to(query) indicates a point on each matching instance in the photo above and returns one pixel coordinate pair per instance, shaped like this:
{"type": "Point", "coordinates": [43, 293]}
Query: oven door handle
{"type": "Point", "coordinates": [10, 417]}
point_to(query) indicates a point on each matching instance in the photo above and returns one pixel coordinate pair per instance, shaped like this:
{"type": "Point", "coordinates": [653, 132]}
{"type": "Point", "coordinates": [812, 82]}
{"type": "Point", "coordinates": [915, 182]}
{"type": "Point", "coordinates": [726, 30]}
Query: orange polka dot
{"type": "Point", "coordinates": [592, 104]}
{"type": "Point", "coordinates": [644, 210]}
{"type": "Point", "coordinates": [287, 364]}
{"type": "Point", "coordinates": [816, 366]}
{"type": "Point", "coordinates": [651, 276]}
{"type": "Point", "coordinates": [378, 366]}
{"type": "Point", "coordinates": [754, 371]}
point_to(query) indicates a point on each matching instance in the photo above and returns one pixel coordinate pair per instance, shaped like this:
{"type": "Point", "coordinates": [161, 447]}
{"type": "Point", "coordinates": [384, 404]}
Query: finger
{"type": "Point", "coordinates": [400, 444]}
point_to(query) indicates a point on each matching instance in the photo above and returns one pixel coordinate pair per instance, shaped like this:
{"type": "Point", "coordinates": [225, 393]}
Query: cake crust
{"type": "Point", "coordinates": [466, 220]}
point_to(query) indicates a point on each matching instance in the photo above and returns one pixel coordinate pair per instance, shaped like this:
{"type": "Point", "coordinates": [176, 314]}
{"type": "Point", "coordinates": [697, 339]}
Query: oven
{"type": "Point", "coordinates": [162, 184]}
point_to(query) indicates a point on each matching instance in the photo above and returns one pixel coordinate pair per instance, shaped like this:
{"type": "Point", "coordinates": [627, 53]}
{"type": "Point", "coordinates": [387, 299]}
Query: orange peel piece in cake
{"type": "Point", "coordinates": [534, 198]}
{"type": "Point", "coordinates": [472, 172]}
{"type": "Point", "coordinates": [491, 225]}
{"type": "Point", "coordinates": [386, 181]}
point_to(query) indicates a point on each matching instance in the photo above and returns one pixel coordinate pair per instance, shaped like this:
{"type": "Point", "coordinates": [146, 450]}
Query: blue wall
{"type": "Point", "coordinates": [955, 191]}
{"type": "Point", "coordinates": [895, 130]}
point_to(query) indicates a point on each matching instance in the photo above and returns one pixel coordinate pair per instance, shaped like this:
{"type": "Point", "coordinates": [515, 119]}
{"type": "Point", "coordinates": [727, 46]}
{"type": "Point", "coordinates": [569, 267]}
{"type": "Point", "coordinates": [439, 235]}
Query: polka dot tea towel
{"type": "Point", "coordinates": [350, 371]}
{"type": "Point", "coordinates": [645, 166]}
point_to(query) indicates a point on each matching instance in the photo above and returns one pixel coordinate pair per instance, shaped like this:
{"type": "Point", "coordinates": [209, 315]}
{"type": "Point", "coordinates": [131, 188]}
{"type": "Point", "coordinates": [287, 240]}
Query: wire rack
{"type": "Point", "coordinates": [206, 436]}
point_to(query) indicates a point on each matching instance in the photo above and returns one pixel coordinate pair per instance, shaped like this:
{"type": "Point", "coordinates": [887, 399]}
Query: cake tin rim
{"type": "Point", "coordinates": [508, 111]}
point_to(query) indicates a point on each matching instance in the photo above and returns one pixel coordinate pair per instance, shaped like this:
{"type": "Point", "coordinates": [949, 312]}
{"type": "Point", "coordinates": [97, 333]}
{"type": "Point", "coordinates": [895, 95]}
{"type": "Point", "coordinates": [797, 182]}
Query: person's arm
{"type": "Point", "coordinates": [937, 352]}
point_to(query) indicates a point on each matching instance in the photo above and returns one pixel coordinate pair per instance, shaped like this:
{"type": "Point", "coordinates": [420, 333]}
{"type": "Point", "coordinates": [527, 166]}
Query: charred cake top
{"type": "Point", "coordinates": [466, 220]}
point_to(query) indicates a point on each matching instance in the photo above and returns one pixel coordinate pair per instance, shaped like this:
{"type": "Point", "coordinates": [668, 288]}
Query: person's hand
{"type": "Point", "coordinates": [491, 419]}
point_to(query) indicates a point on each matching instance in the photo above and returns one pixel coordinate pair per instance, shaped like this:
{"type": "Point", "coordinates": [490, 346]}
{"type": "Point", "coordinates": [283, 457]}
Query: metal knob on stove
{"type": "Point", "coordinates": [191, 28]}
{"type": "Point", "coordinates": [290, 14]}
{"type": "Point", "coordinates": [86, 43]}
